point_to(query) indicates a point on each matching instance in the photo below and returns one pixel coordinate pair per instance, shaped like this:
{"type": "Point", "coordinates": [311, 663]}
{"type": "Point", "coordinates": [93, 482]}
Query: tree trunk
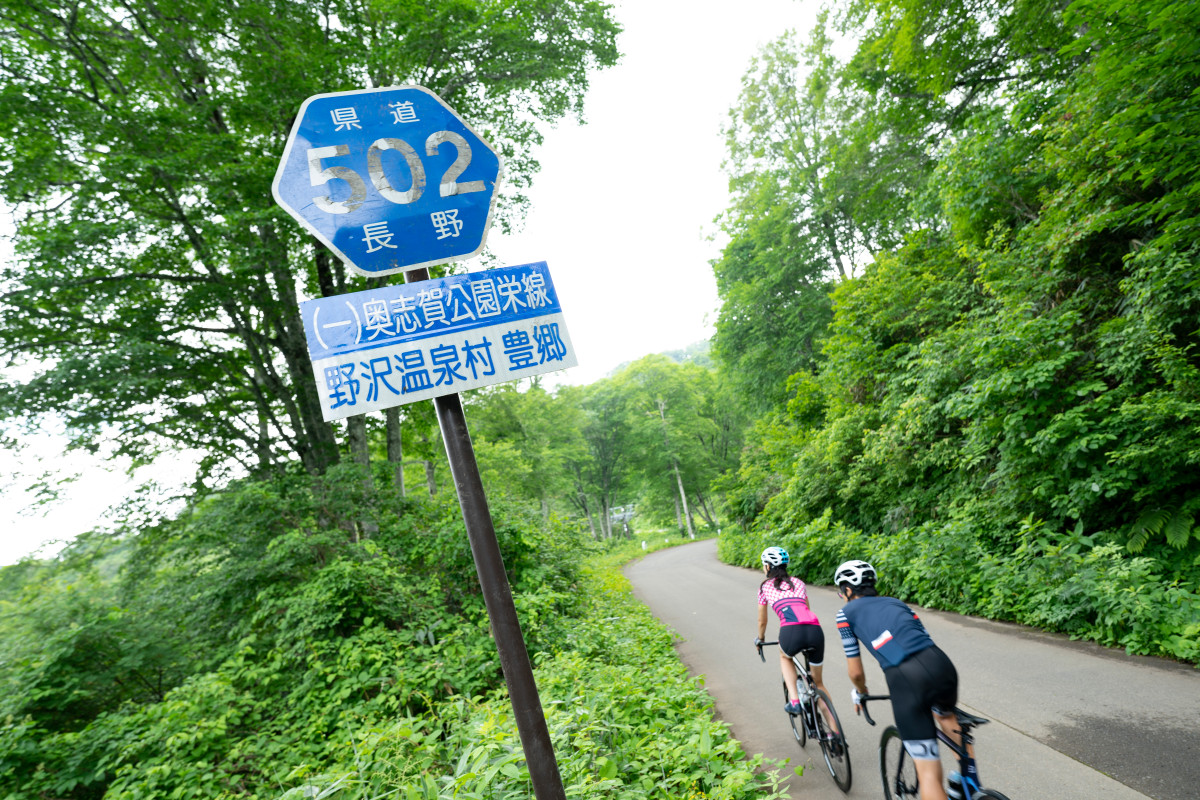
{"type": "Point", "coordinates": [605, 518]}
{"type": "Point", "coordinates": [678, 515]}
{"type": "Point", "coordinates": [395, 448]}
{"type": "Point", "coordinates": [687, 512]}
{"type": "Point", "coordinates": [430, 477]}
{"type": "Point", "coordinates": [588, 516]}
{"type": "Point", "coordinates": [706, 510]}
{"type": "Point", "coordinates": [356, 430]}
{"type": "Point", "coordinates": [262, 444]}
{"type": "Point", "coordinates": [580, 497]}
{"type": "Point", "coordinates": [356, 433]}
{"type": "Point", "coordinates": [316, 441]}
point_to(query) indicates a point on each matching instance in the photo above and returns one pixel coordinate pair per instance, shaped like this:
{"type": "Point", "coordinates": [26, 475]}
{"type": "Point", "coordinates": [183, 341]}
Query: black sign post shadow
{"type": "Point", "coordinates": [497, 595]}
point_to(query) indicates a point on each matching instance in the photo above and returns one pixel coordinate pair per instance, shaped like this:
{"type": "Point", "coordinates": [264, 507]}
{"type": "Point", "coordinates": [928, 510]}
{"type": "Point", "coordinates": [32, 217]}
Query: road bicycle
{"type": "Point", "coordinates": [817, 720]}
{"type": "Point", "coordinates": [896, 766]}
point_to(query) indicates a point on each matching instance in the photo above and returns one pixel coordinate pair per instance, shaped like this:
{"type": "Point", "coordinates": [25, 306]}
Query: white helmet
{"type": "Point", "coordinates": [774, 556]}
{"type": "Point", "coordinates": [855, 573]}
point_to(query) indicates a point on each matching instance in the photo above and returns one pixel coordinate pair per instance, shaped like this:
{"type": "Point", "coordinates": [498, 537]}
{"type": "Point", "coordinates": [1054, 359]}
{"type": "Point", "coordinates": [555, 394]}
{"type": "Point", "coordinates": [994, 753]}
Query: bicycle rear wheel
{"type": "Point", "coordinates": [896, 767]}
{"type": "Point", "coordinates": [833, 741]}
{"type": "Point", "coordinates": [797, 722]}
{"type": "Point", "coordinates": [988, 794]}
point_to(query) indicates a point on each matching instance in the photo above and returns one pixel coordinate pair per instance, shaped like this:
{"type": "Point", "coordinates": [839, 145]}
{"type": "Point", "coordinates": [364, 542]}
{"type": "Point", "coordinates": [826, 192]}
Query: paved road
{"type": "Point", "coordinates": [1071, 721]}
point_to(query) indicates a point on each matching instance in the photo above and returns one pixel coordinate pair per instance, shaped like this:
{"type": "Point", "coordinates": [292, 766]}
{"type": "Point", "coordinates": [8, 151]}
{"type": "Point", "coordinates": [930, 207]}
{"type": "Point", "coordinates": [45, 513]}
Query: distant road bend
{"type": "Point", "coordinates": [1070, 720]}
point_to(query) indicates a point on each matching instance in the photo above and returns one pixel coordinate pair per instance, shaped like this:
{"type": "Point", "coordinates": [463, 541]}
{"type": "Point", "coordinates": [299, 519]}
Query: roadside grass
{"type": "Point", "coordinates": [625, 718]}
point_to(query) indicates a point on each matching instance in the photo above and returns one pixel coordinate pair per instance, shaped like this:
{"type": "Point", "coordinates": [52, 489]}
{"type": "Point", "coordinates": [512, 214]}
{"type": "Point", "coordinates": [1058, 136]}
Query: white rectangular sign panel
{"type": "Point", "coordinates": [385, 347]}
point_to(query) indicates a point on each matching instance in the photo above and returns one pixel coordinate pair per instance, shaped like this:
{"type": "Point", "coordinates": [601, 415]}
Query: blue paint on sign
{"type": "Point", "coordinates": [397, 344]}
{"type": "Point", "coordinates": [389, 179]}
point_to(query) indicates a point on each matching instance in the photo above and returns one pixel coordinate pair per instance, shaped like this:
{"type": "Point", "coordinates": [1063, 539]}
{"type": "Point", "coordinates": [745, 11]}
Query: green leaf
{"type": "Point", "coordinates": [1152, 520]}
{"type": "Point", "coordinates": [1179, 529]}
{"type": "Point", "coordinates": [1138, 540]}
{"type": "Point", "coordinates": [608, 768]}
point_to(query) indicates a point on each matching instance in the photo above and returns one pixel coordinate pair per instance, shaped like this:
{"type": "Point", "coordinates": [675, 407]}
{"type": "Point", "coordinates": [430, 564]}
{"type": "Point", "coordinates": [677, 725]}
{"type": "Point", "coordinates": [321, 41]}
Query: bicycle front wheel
{"type": "Point", "coordinates": [896, 767]}
{"type": "Point", "coordinates": [833, 741]}
{"type": "Point", "coordinates": [988, 794]}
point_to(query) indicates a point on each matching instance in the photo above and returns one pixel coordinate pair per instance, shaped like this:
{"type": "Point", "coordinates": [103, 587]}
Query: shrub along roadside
{"type": "Point", "coordinates": [625, 718]}
{"type": "Point", "coordinates": [245, 648]}
{"type": "Point", "coordinates": [1058, 581]}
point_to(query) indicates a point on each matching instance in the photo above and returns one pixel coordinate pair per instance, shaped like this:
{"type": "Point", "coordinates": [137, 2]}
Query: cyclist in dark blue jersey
{"type": "Point", "coordinates": [921, 680]}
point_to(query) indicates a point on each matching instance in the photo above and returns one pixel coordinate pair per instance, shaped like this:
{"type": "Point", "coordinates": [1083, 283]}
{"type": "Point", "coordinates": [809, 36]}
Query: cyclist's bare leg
{"type": "Point", "coordinates": [949, 725]}
{"type": "Point", "coordinates": [789, 675]}
{"type": "Point", "coordinates": [929, 775]}
{"type": "Point", "coordinates": [816, 672]}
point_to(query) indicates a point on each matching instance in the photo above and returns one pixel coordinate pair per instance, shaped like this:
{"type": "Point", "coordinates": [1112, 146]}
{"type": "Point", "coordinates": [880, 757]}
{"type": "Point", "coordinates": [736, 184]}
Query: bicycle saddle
{"type": "Point", "coordinates": [968, 719]}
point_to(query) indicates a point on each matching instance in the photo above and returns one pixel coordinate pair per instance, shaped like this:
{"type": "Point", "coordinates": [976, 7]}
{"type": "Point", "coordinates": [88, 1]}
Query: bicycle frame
{"type": "Point", "coordinates": [802, 669]}
{"type": "Point", "coordinates": [964, 731]}
{"type": "Point", "coordinates": [966, 722]}
{"type": "Point", "coordinates": [817, 720]}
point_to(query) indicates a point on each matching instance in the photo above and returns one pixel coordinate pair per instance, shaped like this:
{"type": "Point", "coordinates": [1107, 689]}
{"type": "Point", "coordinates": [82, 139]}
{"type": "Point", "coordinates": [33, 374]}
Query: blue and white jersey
{"type": "Point", "coordinates": [889, 628]}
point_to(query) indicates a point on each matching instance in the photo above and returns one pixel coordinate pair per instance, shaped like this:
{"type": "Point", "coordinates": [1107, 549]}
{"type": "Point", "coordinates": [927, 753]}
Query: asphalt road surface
{"type": "Point", "coordinates": [1070, 720]}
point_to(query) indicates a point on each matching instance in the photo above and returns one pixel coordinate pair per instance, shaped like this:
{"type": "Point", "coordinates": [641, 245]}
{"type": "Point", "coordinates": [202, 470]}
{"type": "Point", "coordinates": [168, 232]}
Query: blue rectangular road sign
{"type": "Point", "coordinates": [397, 344]}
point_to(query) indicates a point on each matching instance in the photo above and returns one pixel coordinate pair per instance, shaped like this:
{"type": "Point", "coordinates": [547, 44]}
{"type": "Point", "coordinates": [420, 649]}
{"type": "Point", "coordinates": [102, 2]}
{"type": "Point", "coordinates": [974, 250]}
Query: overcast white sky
{"type": "Point", "coordinates": [620, 212]}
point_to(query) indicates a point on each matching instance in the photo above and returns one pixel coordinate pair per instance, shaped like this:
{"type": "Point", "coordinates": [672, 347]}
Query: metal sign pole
{"type": "Point", "coordinates": [339, 138]}
{"type": "Point", "coordinates": [489, 564]}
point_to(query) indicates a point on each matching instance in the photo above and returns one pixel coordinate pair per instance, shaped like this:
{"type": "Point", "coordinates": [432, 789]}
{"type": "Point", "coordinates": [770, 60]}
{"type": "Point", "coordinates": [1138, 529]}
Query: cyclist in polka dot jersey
{"type": "Point", "coordinates": [799, 628]}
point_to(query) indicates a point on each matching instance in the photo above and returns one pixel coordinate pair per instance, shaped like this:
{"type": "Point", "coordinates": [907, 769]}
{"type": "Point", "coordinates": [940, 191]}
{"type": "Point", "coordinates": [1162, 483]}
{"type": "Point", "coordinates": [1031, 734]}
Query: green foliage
{"type": "Point", "coordinates": [241, 639]}
{"type": "Point", "coordinates": [1058, 581]}
{"type": "Point", "coordinates": [527, 439]}
{"type": "Point", "coordinates": [623, 715]}
{"type": "Point", "coordinates": [364, 669]}
{"type": "Point", "coordinates": [1023, 345]}
{"type": "Point", "coordinates": [153, 301]}
{"type": "Point", "coordinates": [634, 438]}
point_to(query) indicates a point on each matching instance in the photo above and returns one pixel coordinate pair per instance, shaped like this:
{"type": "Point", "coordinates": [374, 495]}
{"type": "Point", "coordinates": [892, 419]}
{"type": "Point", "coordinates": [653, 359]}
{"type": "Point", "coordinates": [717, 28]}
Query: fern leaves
{"type": "Point", "coordinates": [1177, 525]}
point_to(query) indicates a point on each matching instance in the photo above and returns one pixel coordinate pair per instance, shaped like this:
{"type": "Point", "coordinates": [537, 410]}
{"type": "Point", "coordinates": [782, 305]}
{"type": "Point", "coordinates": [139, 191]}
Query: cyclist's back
{"type": "Point", "coordinates": [886, 625]}
{"type": "Point", "coordinates": [921, 679]}
{"type": "Point", "coordinates": [799, 628]}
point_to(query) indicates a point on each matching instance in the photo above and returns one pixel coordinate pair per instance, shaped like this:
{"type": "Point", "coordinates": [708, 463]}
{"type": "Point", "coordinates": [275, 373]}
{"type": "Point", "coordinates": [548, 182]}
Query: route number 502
{"type": "Point", "coordinates": [448, 185]}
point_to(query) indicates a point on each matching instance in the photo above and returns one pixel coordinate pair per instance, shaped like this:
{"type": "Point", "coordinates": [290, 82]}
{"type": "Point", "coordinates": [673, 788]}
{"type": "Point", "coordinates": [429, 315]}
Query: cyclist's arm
{"type": "Point", "coordinates": [854, 665]}
{"type": "Point", "coordinates": [762, 622]}
{"type": "Point", "coordinates": [858, 675]}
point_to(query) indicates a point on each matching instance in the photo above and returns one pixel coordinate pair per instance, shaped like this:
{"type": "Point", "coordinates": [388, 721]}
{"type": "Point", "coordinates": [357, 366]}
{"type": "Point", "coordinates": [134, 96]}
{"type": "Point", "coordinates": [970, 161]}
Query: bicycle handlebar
{"type": "Point", "coordinates": [866, 698]}
{"type": "Point", "coordinates": [759, 645]}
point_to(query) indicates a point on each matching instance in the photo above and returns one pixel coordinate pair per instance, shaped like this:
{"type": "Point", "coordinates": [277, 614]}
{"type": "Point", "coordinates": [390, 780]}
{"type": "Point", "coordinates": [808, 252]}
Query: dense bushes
{"type": "Point", "coordinates": [260, 644]}
{"type": "Point", "coordinates": [1057, 580]}
{"type": "Point", "coordinates": [625, 719]}
{"type": "Point", "coordinates": [244, 638]}
{"type": "Point", "coordinates": [1006, 404]}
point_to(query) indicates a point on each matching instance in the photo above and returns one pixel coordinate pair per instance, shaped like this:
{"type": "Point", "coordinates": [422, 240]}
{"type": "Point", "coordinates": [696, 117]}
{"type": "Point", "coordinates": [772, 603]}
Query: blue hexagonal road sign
{"type": "Point", "coordinates": [390, 179]}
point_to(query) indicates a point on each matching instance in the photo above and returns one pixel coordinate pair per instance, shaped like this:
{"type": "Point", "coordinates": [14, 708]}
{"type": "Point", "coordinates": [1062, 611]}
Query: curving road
{"type": "Point", "coordinates": [1070, 720]}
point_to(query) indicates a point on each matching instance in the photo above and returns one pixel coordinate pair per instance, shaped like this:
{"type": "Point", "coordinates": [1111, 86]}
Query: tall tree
{"type": "Point", "coordinates": [672, 431]}
{"type": "Point", "coordinates": [542, 430]}
{"type": "Point", "coordinates": [154, 299]}
{"type": "Point", "coordinates": [788, 236]}
{"type": "Point", "coordinates": [608, 434]}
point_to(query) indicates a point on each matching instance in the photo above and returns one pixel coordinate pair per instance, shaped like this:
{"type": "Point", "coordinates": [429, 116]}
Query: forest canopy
{"type": "Point", "coordinates": [958, 337]}
{"type": "Point", "coordinates": [974, 241]}
{"type": "Point", "coordinates": [153, 300]}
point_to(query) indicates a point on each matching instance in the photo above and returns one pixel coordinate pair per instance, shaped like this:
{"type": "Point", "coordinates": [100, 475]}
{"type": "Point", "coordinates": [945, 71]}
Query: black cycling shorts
{"type": "Point", "coordinates": [794, 638]}
{"type": "Point", "coordinates": [919, 683]}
